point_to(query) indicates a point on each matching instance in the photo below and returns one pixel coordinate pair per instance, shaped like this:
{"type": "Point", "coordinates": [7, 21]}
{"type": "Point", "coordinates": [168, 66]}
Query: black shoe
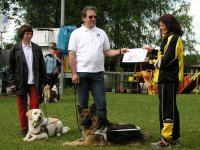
{"type": "Point", "coordinates": [24, 132]}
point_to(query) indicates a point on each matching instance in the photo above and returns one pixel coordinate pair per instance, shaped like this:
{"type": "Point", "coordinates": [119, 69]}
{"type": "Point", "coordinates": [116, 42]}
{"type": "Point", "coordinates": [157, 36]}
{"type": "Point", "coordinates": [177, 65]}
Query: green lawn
{"type": "Point", "coordinates": [139, 109]}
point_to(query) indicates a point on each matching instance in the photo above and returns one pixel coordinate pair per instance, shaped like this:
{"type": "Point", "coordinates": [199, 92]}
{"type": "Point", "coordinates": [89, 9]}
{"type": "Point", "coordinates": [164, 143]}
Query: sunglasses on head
{"type": "Point", "coordinates": [90, 17]}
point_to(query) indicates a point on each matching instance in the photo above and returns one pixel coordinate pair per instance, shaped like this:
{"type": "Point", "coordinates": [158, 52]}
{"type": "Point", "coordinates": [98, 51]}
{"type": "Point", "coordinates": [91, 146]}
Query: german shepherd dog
{"type": "Point", "coordinates": [99, 132]}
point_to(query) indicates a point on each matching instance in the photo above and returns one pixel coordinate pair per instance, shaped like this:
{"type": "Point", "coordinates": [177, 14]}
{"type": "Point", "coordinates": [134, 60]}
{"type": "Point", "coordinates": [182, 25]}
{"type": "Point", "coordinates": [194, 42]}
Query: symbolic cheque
{"type": "Point", "coordinates": [135, 55]}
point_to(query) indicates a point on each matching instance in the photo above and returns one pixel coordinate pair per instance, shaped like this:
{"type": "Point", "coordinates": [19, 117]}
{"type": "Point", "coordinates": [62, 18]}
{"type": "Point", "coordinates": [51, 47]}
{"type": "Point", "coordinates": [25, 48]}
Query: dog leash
{"type": "Point", "coordinates": [45, 109]}
{"type": "Point", "coordinates": [77, 116]}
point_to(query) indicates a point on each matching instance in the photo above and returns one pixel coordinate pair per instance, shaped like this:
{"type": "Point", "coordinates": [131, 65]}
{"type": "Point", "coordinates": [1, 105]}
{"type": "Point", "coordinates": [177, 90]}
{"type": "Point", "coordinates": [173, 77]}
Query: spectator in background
{"type": "Point", "coordinates": [57, 51]}
{"type": "Point", "coordinates": [53, 66]}
{"type": "Point", "coordinates": [26, 74]}
{"type": "Point", "coordinates": [4, 81]}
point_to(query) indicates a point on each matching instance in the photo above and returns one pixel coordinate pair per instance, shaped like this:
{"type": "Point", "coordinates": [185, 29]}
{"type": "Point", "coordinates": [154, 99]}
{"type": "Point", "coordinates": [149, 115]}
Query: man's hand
{"type": "Point", "coordinates": [75, 78]}
{"type": "Point", "coordinates": [124, 50]}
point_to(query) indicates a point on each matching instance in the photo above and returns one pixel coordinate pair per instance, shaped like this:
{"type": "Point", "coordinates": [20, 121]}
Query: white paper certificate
{"type": "Point", "coordinates": [135, 55]}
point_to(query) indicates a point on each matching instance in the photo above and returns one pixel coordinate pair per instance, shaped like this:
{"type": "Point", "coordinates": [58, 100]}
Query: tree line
{"type": "Point", "coordinates": [128, 23]}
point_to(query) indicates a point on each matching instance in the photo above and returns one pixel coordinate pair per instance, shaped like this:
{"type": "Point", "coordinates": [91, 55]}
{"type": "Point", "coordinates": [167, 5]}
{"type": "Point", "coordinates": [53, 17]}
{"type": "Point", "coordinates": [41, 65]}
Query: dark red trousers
{"type": "Point", "coordinates": [22, 104]}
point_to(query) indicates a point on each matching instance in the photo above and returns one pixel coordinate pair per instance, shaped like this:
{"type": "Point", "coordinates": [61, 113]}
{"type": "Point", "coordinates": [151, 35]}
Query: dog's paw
{"type": "Point", "coordinates": [30, 140]}
{"type": "Point", "coordinates": [68, 143]}
{"type": "Point", "coordinates": [58, 134]}
{"type": "Point", "coordinates": [66, 129]}
{"type": "Point", "coordinates": [25, 139]}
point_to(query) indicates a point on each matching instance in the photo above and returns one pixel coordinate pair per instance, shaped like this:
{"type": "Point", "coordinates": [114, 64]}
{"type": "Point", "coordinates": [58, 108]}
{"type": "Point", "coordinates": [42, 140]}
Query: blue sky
{"type": "Point", "coordinates": [195, 12]}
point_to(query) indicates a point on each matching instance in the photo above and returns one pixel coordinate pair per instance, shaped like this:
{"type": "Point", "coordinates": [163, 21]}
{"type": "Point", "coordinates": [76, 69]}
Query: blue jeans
{"type": "Point", "coordinates": [93, 82]}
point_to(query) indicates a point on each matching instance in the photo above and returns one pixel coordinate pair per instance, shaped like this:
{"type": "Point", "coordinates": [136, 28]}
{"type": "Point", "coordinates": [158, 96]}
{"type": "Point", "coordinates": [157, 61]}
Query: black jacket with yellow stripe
{"type": "Point", "coordinates": [169, 63]}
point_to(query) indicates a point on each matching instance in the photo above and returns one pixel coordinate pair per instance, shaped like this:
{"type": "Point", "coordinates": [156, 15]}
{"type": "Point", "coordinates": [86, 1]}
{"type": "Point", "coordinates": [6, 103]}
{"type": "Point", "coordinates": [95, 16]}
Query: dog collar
{"type": "Point", "coordinates": [35, 126]}
{"type": "Point", "coordinates": [42, 130]}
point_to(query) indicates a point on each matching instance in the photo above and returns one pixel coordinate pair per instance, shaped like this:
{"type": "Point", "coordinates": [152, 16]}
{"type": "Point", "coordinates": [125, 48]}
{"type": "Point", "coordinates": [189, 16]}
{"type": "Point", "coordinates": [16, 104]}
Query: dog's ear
{"type": "Point", "coordinates": [93, 108]}
{"type": "Point", "coordinates": [28, 114]}
{"type": "Point", "coordinates": [80, 109]}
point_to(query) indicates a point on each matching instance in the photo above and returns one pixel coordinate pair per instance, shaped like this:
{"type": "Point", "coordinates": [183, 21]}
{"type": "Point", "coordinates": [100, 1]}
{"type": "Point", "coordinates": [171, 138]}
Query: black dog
{"type": "Point", "coordinates": [54, 94]}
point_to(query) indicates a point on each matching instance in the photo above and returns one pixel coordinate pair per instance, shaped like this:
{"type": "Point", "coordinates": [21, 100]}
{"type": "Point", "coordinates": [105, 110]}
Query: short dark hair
{"type": "Point", "coordinates": [53, 45]}
{"type": "Point", "coordinates": [172, 23]}
{"type": "Point", "coordinates": [24, 28]}
{"type": "Point", "coordinates": [88, 8]}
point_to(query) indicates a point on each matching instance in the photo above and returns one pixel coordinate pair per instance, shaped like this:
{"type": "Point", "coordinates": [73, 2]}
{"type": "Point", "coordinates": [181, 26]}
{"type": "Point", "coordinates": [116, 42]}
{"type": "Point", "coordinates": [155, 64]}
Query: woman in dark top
{"type": "Point", "coordinates": [27, 73]}
{"type": "Point", "coordinates": [169, 73]}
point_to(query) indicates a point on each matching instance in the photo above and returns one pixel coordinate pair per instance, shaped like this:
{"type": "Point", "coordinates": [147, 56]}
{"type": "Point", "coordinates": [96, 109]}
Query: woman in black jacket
{"type": "Point", "coordinates": [27, 73]}
{"type": "Point", "coordinates": [168, 74]}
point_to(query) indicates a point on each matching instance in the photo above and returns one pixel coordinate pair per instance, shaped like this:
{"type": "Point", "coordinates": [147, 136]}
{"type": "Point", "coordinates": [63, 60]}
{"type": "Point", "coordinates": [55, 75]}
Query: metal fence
{"type": "Point", "coordinates": [119, 82]}
{"type": "Point", "coordinates": [123, 82]}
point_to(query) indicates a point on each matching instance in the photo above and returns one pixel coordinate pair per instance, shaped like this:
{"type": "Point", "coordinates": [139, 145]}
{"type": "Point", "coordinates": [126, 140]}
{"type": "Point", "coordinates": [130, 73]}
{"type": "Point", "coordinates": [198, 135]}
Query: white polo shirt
{"type": "Point", "coordinates": [89, 45]}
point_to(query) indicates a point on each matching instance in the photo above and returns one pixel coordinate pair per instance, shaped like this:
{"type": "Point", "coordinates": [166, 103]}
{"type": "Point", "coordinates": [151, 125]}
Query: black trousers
{"type": "Point", "coordinates": [52, 79]}
{"type": "Point", "coordinates": [168, 111]}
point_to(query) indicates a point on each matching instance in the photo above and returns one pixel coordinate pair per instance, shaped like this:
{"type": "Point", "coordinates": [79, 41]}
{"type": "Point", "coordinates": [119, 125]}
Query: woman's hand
{"type": "Point", "coordinates": [147, 47]}
{"type": "Point", "coordinates": [146, 59]}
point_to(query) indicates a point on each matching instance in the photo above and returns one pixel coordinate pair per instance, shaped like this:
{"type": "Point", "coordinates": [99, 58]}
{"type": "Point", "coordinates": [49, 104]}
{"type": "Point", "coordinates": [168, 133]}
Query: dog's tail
{"type": "Point", "coordinates": [66, 129]}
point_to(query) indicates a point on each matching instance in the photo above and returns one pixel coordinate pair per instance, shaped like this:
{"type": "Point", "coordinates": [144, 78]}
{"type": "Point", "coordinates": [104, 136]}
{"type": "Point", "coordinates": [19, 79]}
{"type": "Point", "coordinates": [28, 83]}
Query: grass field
{"type": "Point", "coordinates": [139, 109]}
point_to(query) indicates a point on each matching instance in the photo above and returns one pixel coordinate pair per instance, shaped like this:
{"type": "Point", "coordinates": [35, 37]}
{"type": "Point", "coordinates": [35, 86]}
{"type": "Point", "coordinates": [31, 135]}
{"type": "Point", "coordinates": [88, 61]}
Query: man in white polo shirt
{"type": "Point", "coordinates": [87, 47]}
